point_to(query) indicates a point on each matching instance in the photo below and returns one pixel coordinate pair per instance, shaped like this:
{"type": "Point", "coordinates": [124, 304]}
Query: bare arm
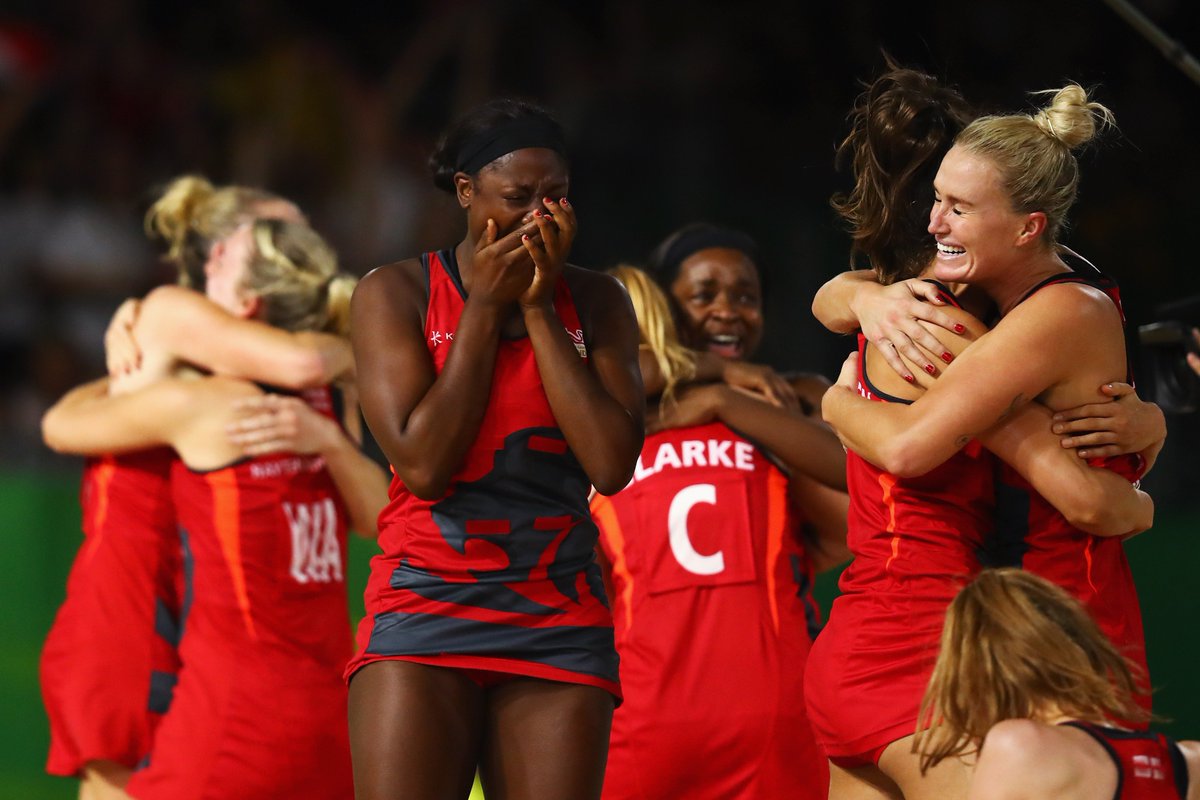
{"type": "Point", "coordinates": [1097, 501]}
{"type": "Point", "coordinates": [89, 421]}
{"type": "Point", "coordinates": [1034, 350]}
{"type": "Point", "coordinates": [823, 511]}
{"type": "Point", "coordinates": [599, 404]}
{"type": "Point", "coordinates": [805, 445]}
{"type": "Point", "coordinates": [188, 327]}
{"type": "Point", "coordinates": [757, 378]}
{"type": "Point", "coordinates": [888, 316]}
{"type": "Point", "coordinates": [1119, 423]}
{"type": "Point", "coordinates": [271, 423]}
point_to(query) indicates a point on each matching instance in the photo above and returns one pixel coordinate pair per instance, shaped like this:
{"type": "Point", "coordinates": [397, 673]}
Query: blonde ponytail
{"type": "Point", "coordinates": [172, 219]}
{"type": "Point", "coordinates": [295, 274]}
{"type": "Point", "coordinates": [341, 289]}
{"type": "Point", "coordinates": [656, 327]}
{"type": "Point", "coordinates": [191, 214]}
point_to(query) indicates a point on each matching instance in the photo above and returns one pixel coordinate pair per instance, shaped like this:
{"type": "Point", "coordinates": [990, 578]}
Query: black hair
{"type": "Point", "coordinates": [670, 254]}
{"type": "Point", "coordinates": [476, 124]}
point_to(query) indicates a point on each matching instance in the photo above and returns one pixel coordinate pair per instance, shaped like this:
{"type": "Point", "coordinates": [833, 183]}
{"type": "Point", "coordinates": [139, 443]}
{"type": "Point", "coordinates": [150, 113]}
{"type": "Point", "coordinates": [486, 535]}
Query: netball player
{"type": "Point", "coordinates": [711, 579]}
{"type": "Point", "coordinates": [917, 539]}
{"type": "Point", "coordinates": [502, 384]}
{"type": "Point", "coordinates": [110, 662]}
{"type": "Point", "coordinates": [1026, 687]}
{"type": "Point", "coordinates": [259, 706]}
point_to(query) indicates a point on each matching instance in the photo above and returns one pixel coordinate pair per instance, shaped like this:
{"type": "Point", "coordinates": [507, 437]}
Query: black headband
{"type": "Point", "coordinates": [507, 137]}
{"type": "Point", "coordinates": [702, 239]}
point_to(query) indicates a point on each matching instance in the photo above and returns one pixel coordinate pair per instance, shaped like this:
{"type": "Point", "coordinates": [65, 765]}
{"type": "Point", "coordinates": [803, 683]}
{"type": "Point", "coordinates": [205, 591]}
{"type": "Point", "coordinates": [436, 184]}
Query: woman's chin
{"type": "Point", "coordinates": [956, 271]}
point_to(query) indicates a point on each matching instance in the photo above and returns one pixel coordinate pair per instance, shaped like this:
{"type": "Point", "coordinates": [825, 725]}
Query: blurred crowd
{"type": "Point", "coordinates": [676, 111]}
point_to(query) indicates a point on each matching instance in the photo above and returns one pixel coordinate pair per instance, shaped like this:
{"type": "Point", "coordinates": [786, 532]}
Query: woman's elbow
{"type": "Point", "coordinates": [307, 370]}
{"type": "Point", "coordinates": [611, 482]}
{"type": "Point", "coordinates": [905, 459]}
{"type": "Point", "coordinates": [426, 484]}
{"type": "Point", "coordinates": [52, 433]}
{"type": "Point", "coordinates": [1087, 509]}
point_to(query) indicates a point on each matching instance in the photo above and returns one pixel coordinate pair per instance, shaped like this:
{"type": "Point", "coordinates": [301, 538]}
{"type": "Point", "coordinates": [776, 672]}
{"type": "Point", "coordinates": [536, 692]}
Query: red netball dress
{"type": "Point", "coordinates": [915, 543]}
{"type": "Point", "coordinates": [711, 610]}
{"type": "Point", "coordinates": [260, 707]}
{"type": "Point", "coordinates": [1150, 766]}
{"type": "Point", "coordinates": [499, 573]}
{"type": "Point", "coordinates": [109, 663]}
{"type": "Point", "coordinates": [1032, 534]}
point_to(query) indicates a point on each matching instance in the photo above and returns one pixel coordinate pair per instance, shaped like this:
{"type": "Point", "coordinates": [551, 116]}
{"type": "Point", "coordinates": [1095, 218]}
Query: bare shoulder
{"type": "Point", "coordinates": [407, 275]}
{"type": "Point", "coordinates": [168, 303]}
{"type": "Point", "coordinates": [599, 298]}
{"type": "Point", "coordinates": [590, 282]}
{"type": "Point", "coordinates": [1024, 758]}
{"type": "Point", "coordinates": [399, 286]}
{"type": "Point", "coordinates": [810, 387]}
{"type": "Point", "coordinates": [168, 294]}
{"type": "Point", "coordinates": [202, 393]}
{"type": "Point", "coordinates": [1069, 305]}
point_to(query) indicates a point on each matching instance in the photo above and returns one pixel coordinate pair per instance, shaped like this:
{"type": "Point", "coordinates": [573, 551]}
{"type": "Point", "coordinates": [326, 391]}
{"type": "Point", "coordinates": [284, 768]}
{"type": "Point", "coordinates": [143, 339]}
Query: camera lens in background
{"type": "Point", "coordinates": [1172, 383]}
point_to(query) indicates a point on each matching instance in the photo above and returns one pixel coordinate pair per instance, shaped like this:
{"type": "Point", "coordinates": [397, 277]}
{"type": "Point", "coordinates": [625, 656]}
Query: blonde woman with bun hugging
{"type": "Point", "coordinates": [709, 571]}
{"type": "Point", "coordinates": [259, 708]}
{"type": "Point", "coordinates": [110, 659]}
{"type": "Point", "coordinates": [192, 218]}
{"type": "Point", "coordinates": [1001, 196]}
{"type": "Point", "coordinates": [917, 537]}
{"type": "Point", "coordinates": [1026, 687]}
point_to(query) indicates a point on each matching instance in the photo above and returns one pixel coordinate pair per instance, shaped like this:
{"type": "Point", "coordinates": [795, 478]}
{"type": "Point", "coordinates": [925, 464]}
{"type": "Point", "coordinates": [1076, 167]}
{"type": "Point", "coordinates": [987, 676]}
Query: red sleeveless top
{"type": "Point", "coordinates": [499, 573]}
{"type": "Point", "coordinates": [1030, 533]}
{"type": "Point", "coordinates": [710, 579]}
{"type": "Point", "coordinates": [109, 664]}
{"type": "Point", "coordinates": [1150, 766]}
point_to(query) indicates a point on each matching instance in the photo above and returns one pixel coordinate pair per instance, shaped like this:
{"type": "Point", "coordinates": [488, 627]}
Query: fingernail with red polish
{"type": "Point", "coordinates": [547, 200]}
{"type": "Point", "coordinates": [947, 357]}
{"type": "Point", "coordinates": [959, 327]}
{"type": "Point", "coordinates": [564, 202]}
{"type": "Point", "coordinates": [537, 213]}
{"type": "Point", "coordinates": [930, 369]}
{"type": "Point", "coordinates": [910, 378]}
{"type": "Point", "coordinates": [524, 237]}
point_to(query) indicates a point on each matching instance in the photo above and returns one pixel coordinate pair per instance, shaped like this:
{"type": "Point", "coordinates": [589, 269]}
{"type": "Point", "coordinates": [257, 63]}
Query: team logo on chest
{"type": "Point", "coordinates": [437, 338]}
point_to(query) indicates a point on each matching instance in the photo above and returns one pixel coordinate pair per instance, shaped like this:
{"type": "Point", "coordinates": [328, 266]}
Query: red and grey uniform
{"type": "Point", "coordinates": [109, 664]}
{"type": "Point", "coordinates": [1150, 766]}
{"type": "Point", "coordinates": [1032, 534]}
{"type": "Point", "coordinates": [260, 707]}
{"type": "Point", "coordinates": [915, 543]}
{"type": "Point", "coordinates": [711, 608]}
{"type": "Point", "coordinates": [498, 574]}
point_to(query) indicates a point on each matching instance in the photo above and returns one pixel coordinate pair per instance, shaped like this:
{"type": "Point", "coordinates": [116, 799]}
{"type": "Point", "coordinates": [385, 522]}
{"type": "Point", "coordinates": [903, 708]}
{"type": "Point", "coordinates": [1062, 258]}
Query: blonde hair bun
{"type": "Point", "coordinates": [1071, 118]}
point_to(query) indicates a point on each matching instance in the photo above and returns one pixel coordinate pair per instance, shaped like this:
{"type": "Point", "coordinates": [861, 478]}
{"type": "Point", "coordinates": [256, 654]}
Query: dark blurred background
{"type": "Point", "coordinates": [676, 111]}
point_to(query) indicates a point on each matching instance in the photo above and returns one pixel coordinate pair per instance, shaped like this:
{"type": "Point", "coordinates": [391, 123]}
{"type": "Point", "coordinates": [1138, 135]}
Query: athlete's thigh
{"type": "Point", "coordinates": [545, 740]}
{"type": "Point", "coordinates": [414, 731]}
{"type": "Point", "coordinates": [949, 779]}
{"type": "Point", "coordinates": [861, 783]}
